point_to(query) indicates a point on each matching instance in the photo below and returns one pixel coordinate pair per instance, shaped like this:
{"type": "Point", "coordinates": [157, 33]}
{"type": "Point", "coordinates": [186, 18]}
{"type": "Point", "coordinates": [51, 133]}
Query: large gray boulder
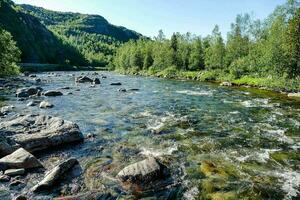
{"type": "Point", "coordinates": [142, 172]}
{"type": "Point", "coordinates": [19, 159]}
{"type": "Point", "coordinates": [40, 132]}
{"type": "Point", "coordinates": [52, 93]}
{"type": "Point", "coordinates": [54, 175]}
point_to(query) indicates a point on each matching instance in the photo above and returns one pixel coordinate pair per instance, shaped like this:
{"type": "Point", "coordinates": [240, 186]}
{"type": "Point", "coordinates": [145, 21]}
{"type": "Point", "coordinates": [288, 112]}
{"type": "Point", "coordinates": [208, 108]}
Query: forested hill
{"type": "Point", "coordinates": [36, 42]}
{"type": "Point", "coordinates": [45, 36]}
{"type": "Point", "coordinates": [95, 38]}
{"type": "Point", "coordinates": [93, 24]}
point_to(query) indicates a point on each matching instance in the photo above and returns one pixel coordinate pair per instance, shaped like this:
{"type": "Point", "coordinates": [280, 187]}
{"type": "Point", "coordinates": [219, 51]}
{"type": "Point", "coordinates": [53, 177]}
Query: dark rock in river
{"type": "Point", "coordinates": [54, 175]}
{"type": "Point", "coordinates": [32, 76]}
{"type": "Point", "coordinates": [39, 132]}
{"type": "Point", "coordinates": [83, 79]}
{"type": "Point", "coordinates": [116, 84]}
{"type": "Point", "coordinates": [52, 93]}
{"type": "Point", "coordinates": [26, 92]}
{"type": "Point", "coordinates": [20, 197]}
{"type": "Point", "coordinates": [18, 160]}
{"type": "Point", "coordinates": [122, 90]}
{"type": "Point", "coordinates": [96, 81]}
{"type": "Point", "coordinates": [139, 176]}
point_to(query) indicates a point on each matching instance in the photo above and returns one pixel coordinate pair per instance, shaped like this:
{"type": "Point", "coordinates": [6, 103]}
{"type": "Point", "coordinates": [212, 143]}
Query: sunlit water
{"type": "Point", "coordinates": [222, 143]}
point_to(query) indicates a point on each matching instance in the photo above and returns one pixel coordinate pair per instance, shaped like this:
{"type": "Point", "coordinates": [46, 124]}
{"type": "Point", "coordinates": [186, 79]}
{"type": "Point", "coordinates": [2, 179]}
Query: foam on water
{"type": "Point", "coordinates": [279, 136]}
{"type": "Point", "coordinates": [290, 183]}
{"type": "Point", "coordinates": [262, 156]}
{"type": "Point", "coordinates": [195, 93]}
{"type": "Point", "coordinates": [158, 152]}
{"type": "Point", "coordinates": [258, 103]}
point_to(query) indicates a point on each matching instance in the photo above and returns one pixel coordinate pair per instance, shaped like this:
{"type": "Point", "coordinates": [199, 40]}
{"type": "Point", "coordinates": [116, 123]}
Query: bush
{"type": "Point", "coordinates": [9, 54]}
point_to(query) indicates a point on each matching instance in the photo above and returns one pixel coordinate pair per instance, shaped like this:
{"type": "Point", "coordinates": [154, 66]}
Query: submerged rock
{"type": "Point", "coordinates": [91, 195]}
{"type": "Point", "coordinates": [52, 93]}
{"type": "Point", "coordinates": [54, 175]}
{"type": "Point", "coordinates": [19, 159]}
{"type": "Point", "coordinates": [46, 104]}
{"type": "Point", "coordinates": [39, 132]}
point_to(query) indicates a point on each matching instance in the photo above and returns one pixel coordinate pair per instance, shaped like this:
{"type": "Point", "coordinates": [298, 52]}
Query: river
{"type": "Point", "coordinates": [220, 142]}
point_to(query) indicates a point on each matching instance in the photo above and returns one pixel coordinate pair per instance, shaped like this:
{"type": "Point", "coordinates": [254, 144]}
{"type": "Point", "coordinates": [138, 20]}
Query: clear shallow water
{"type": "Point", "coordinates": [221, 143]}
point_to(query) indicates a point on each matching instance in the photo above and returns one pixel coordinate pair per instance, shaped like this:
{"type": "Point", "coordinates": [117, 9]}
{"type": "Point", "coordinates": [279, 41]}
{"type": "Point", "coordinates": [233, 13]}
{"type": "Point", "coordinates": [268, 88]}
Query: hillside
{"type": "Point", "coordinates": [36, 42]}
{"type": "Point", "coordinates": [92, 35]}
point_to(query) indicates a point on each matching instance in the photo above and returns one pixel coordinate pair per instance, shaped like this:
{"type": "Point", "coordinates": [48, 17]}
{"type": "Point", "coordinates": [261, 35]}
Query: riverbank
{"type": "Point", "coordinates": [41, 67]}
{"type": "Point", "coordinates": [276, 84]}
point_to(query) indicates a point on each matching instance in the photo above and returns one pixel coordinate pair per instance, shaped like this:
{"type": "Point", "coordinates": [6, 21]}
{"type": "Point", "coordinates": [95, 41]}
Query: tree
{"type": "Point", "coordinates": [215, 53]}
{"type": "Point", "coordinates": [292, 45]}
{"type": "Point", "coordinates": [174, 48]}
{"type": "Point", "coordinates": [197, 55]}
{"type": "Point", "coordinates": [237, 41]}
{"type": "Point", "coordinates": [9, 54]}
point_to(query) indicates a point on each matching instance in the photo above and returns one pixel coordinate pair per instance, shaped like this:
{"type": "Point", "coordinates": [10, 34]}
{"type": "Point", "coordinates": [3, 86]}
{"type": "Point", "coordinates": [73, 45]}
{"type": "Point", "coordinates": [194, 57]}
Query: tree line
{"type": "Point", "coordinates": [268, 48]}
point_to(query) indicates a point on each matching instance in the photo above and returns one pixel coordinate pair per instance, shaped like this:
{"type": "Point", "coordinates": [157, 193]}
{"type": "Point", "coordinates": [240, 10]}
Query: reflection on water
{"type": "Point", "coordinates": [228, 143]}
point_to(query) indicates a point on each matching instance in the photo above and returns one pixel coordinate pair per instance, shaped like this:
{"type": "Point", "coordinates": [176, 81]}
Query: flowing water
{"type": "Point", "coordinates": [221, 143]}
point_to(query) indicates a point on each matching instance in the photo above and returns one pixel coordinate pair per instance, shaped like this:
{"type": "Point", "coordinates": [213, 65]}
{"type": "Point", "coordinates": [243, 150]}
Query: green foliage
{"type": "Point", "coordinates": [215, 53]}
{"type": "Point", "coordinates": [261, 53]}
{"type": "Point", "coordinates": [9, 54]}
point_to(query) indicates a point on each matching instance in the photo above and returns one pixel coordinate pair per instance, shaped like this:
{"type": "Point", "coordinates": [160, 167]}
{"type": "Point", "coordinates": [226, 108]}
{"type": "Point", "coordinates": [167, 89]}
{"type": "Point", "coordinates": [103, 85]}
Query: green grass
{"type": "Point", "coordinates": [270, 82]}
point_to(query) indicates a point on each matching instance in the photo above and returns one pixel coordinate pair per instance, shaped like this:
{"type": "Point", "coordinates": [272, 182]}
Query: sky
{"type": "Point", "coordinates": [149, 16]}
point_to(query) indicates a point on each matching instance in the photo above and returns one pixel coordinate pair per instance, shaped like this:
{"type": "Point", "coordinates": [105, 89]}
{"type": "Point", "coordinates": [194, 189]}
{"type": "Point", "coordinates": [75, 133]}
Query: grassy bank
{"type": "Point", "coordinates": [271, 83]}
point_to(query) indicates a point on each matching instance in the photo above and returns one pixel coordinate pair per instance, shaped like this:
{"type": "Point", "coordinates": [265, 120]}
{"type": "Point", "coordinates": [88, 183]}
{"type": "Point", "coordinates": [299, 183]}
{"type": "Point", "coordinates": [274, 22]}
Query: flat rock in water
{"type": "Point", "coordinates": [52, 93]}
{"type": "Point", "coordinates": [14, 172]}
{"type": "Point", "coordinates": [19, 159]}
{"type": "Point", "coordinates": [54, 175]}
{"type": "Point", "coordinates": [40, 132]}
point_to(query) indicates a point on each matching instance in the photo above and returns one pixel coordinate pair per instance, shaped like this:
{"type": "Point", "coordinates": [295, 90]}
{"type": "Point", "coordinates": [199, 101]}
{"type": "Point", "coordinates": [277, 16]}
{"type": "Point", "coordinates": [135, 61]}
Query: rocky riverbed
{"type": "Point", "coordinates": [89, 135]}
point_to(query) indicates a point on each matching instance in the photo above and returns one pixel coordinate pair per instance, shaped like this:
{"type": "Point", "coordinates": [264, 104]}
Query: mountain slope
{"type": "Point", "coordinates": [92, 35]}
{"type": "Point", "coordinates": [36, 42]}
{"type": "Point", "coordinates": [94, 24]}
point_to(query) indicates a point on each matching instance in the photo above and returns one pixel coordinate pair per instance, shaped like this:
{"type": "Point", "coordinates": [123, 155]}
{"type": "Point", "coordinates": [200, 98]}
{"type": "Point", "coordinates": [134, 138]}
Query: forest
{"type": "Point", "coordinates": [255, 52]}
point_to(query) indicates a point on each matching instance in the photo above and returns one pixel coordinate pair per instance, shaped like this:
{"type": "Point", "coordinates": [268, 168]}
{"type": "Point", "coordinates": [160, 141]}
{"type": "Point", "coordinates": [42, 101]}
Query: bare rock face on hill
{"type": "Point", "coordinates": [40, 132]}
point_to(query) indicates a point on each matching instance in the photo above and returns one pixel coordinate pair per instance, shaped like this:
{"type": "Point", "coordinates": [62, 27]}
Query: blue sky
{"type": "Point", "coordinates": [148, 16]}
